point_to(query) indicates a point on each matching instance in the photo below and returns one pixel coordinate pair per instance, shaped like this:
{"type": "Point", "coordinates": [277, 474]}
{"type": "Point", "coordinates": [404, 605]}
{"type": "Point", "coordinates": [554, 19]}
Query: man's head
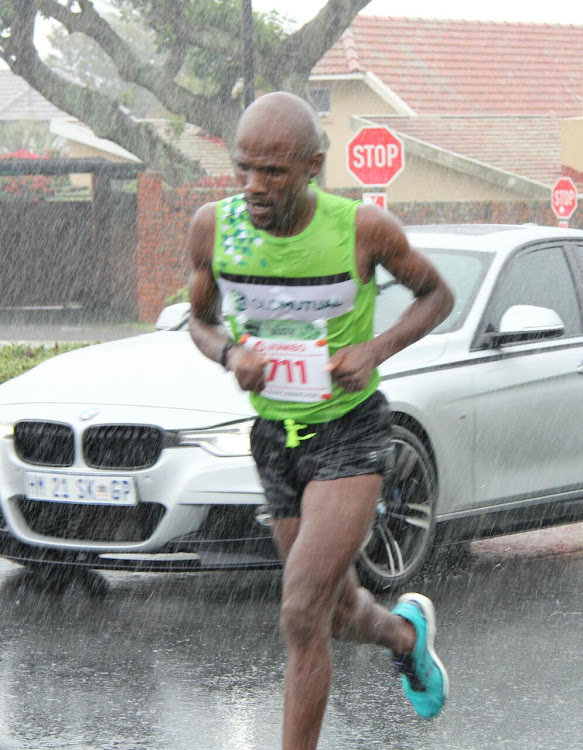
{"type": "Point", "coordinates": [278, 152]}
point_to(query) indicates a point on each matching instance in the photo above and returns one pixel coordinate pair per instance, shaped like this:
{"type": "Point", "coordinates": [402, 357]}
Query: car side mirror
{"type": "Point", "coordinates": [173, 317]}
{"type": "Point", "coordinates": [524, 323]}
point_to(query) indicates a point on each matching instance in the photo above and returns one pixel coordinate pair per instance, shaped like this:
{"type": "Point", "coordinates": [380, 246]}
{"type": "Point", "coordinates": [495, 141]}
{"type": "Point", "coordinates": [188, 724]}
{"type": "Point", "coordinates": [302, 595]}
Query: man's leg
{"type": "Point", "coordinates": [321, 593]}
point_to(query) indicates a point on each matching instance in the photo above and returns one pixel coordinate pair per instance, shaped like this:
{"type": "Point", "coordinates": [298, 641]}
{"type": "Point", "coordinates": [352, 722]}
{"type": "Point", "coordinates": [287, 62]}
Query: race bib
{"type": "Point", "coordinates": [295, 371]}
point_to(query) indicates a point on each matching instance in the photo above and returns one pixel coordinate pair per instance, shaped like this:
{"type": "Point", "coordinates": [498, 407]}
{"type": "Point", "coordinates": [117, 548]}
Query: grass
{"type": "Point", "coordinates": [16, 359]}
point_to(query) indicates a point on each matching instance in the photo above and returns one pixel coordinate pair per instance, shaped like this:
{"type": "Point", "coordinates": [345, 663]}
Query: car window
{"type": "Point", "coordinates": [538, 277]}
{"type": "Point", "coordinates": [575, 249]}
{"type": "Point", "coordinates": [463, 271]}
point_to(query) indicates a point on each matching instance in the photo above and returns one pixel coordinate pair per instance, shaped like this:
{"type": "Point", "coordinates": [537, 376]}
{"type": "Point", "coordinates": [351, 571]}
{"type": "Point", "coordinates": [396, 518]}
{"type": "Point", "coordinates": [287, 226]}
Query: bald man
{"type": "Point", "coordinates": [283, 294]}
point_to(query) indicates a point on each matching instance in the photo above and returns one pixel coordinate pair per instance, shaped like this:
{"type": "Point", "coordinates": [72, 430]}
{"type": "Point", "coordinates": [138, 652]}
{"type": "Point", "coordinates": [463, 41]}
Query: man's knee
{"type": "Point", "coordinates": [297, 625]}
{"type": "Point", "coordinates": [306, 615]}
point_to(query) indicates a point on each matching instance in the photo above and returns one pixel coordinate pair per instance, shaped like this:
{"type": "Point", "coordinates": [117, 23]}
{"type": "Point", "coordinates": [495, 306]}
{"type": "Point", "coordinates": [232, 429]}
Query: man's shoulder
{"type": "Point", "coordinates": [370, 217]}
{"type": "Point", "coordinates": [336, 202]}
{"type": "Point", "coordinates": [204, 215]}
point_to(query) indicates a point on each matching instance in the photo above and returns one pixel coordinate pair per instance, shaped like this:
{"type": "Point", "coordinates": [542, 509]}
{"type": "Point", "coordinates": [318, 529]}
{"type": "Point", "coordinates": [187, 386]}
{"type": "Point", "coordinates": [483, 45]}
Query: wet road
{"type": "Point", "coordinates": [195, 662]}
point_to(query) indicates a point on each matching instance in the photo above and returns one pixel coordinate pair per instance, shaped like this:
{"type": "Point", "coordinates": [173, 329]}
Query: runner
{"type": "Point", "coordinates": [291, 269]}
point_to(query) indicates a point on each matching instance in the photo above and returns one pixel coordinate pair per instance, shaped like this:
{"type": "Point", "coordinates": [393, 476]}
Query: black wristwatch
{"type": "Point", "coordinates": [222, 360]}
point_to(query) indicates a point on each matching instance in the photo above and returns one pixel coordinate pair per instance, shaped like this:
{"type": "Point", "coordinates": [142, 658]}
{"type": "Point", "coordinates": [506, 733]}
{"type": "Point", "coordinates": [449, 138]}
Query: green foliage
{"type": "Point", "coordinates": [80, 58]}
{"type": "Point", "coordinates": [127, 98]}
{"type": "Point", "coordinates": [6, 16]}
{"type": "Point", "coordinates": [218, 63]}
{"type": "Point", "coordinates": [208, 32]}
{"type": "Point", "coordinates": [30, 135]}
{"type": "Point", "coordinates": [175, 127]}
{"type": "Point", "coordinates": [16, 359]}
{"type": "Point", "coordinates": [182, 295]}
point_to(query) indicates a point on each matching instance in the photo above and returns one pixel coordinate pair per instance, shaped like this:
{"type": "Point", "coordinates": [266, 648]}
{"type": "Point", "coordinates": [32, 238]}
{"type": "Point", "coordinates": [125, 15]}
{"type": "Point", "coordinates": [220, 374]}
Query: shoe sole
{"type": "Point", "coordinates": [429, 613]}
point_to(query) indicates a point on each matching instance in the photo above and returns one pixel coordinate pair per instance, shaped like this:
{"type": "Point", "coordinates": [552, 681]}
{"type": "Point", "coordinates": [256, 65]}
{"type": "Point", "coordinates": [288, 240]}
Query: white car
{"type": "Point", "coordinates": [135, 453]}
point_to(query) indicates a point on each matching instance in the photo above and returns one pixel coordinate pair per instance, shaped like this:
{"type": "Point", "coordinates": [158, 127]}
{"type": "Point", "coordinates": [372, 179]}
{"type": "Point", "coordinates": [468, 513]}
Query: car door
{"type": "Point", "coordinates": [529, 396]}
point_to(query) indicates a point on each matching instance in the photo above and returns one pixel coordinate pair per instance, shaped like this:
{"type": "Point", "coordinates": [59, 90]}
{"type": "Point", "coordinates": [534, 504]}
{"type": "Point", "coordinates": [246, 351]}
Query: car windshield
{"type": "Point", "coordinates": [463, 271]}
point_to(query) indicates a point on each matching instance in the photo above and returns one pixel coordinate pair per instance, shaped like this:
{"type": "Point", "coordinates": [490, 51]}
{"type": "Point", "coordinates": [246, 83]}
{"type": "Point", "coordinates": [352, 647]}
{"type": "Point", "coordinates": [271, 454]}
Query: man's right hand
{"type": "Point", "coordinates": [248, 367]}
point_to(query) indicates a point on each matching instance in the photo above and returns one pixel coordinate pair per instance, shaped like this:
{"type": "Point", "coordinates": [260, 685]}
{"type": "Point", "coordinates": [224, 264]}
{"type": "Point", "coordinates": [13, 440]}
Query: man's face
{"type": "Point", "coordinates": [274, 176]}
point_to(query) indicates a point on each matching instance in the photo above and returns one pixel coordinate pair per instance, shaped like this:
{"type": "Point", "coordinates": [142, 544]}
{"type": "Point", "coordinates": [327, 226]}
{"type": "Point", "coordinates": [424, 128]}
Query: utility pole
{"type": "Point", "coordinates": [247, 51]}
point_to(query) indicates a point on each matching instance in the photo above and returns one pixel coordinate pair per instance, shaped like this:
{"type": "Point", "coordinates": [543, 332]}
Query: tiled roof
{"type": "Point", "coordinates": [463, 67]}
{"type": "Point", "coordinates": [19, 101]}
{"type": "Point", "coordinates": [211, 151]}
{"type": "Point", "coordinates": [528, 146]}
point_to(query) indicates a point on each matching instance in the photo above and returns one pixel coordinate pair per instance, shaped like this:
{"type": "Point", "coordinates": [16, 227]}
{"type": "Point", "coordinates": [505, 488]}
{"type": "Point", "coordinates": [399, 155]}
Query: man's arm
{"type": "Point", "coordinates": [380, 239]}
{"type": "Point", "coordinates": [384, 242]}
{"type": "Point", "coordinates": [206, 327]}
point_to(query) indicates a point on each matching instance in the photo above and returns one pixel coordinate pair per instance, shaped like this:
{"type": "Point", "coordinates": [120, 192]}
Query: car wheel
{"type": "Point", "coordinates": [402, 533]}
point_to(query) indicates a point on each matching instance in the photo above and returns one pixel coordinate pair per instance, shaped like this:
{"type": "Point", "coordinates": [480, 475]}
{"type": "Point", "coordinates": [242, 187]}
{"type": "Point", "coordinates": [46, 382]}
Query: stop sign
{"type": "Point", "coordinates": [375, 156]}
{"type": "Point", "coordinates": [564, 198]}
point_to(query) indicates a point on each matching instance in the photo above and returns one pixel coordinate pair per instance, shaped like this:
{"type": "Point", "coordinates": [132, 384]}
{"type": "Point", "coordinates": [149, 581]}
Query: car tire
{"type": "Point", "coordinates": [401, 535]}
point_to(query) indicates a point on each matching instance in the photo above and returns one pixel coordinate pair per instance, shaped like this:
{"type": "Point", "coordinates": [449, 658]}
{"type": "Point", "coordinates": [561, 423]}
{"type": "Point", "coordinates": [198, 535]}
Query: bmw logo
{"type": "Point", "coordinates": [88, 414]}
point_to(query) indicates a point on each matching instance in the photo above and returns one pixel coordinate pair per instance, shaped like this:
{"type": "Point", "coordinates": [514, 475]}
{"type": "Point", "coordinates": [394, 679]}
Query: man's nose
{"type": "Point", "coordinates": [254, 182]}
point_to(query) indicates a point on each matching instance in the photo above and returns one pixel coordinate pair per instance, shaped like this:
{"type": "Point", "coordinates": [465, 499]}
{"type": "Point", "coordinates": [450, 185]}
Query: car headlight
{"type": "Point", "coordinates": [228, 440]}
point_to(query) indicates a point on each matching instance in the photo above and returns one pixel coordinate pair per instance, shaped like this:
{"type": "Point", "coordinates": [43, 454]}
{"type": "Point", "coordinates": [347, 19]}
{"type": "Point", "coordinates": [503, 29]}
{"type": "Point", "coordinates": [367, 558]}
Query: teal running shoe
{"type": "Point", "coordinates": [423, 676]}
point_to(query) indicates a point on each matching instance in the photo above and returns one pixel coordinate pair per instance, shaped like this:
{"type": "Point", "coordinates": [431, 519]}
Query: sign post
{"type": "Point", "coordinates": [379, 199]}
{"type": "Point", "coordinates": [564, 200]}
{"type": "Point", "coordinates": [375, 156]}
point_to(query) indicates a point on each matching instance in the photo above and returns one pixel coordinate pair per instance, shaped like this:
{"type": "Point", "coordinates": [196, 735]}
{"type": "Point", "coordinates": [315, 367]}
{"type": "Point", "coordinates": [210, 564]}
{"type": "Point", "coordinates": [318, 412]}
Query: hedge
{"type": "Point", "coordinates": [15, 359]}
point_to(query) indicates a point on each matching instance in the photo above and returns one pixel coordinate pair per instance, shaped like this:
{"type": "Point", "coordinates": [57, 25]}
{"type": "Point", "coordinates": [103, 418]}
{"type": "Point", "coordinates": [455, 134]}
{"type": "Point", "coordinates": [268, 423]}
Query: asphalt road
{"type": "Point", "coordinates": [195, 661]}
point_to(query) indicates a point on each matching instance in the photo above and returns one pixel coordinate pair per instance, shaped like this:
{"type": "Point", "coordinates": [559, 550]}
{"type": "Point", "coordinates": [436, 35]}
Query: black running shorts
{"type": "Point", "coordinates": [357, 443]}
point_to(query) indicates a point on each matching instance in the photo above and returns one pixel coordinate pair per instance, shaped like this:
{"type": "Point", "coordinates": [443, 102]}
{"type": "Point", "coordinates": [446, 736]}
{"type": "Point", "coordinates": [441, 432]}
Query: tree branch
{"type": "Point", "coordinates": [196, 109]}
{"type": "Point", "coordinates": [302, 49]}
{"type": "Point", "coordinates": [103, 115]}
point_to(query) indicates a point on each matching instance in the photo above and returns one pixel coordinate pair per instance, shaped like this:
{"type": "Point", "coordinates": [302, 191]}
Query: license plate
{"type": "Point", "coordinates": [80, 488]}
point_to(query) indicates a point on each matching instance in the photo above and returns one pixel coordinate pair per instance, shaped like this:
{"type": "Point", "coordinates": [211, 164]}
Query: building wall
{"type": "Point", "coordinates": [420, 180]}
{"type": "Point", "coordinates": [162, 263]}
{"type": "Point", "coordinates": [346, 98]}
{"type": "Point", "coordinates": [163, 266]}
{"type": "Point", "coordinates": [572, 143]}
{"type": "Point", "coordinates": [81, 151]}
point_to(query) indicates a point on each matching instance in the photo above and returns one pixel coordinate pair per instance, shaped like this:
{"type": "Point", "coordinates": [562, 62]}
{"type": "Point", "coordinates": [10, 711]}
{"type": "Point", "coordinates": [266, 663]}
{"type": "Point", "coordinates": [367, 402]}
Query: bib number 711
{"type": "Point", "coordinates": [295, 370]}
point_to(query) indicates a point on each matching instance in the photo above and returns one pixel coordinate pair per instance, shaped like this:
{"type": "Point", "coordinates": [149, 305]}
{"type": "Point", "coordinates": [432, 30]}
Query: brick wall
{"type": "Point", "coordinates": [163, 216]}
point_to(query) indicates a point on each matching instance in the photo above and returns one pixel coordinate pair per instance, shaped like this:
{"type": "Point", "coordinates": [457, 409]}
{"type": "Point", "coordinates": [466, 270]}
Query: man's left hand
{"type": "Point", "coordinates": [352, 366]}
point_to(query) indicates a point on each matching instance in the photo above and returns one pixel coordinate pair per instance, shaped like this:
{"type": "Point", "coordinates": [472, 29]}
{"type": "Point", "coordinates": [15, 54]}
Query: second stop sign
{"type": "Point", "coordinates": [564, 198]}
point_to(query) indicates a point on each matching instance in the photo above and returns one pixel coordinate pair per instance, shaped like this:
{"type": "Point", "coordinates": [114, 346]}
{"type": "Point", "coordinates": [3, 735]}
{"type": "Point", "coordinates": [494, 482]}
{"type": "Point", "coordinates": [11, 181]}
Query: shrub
{"type": "Point", "coordinates": [16, 359]}
{"type": "Point", "coordinates": [182, 295]}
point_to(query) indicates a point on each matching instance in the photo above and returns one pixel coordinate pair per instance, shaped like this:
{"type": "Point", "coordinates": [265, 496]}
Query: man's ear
{"type": "Point", "coordinates": [316, 163]}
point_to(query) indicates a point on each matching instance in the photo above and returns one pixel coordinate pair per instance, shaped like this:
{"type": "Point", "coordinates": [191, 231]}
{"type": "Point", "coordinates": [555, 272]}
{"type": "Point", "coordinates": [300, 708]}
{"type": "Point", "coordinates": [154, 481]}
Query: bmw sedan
{"type": "Point", "coordinates": [135, 453]}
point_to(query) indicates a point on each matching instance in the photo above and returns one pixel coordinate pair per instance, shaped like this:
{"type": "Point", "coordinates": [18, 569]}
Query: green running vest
{"type": "Point", "coordinates": [297, 300]}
